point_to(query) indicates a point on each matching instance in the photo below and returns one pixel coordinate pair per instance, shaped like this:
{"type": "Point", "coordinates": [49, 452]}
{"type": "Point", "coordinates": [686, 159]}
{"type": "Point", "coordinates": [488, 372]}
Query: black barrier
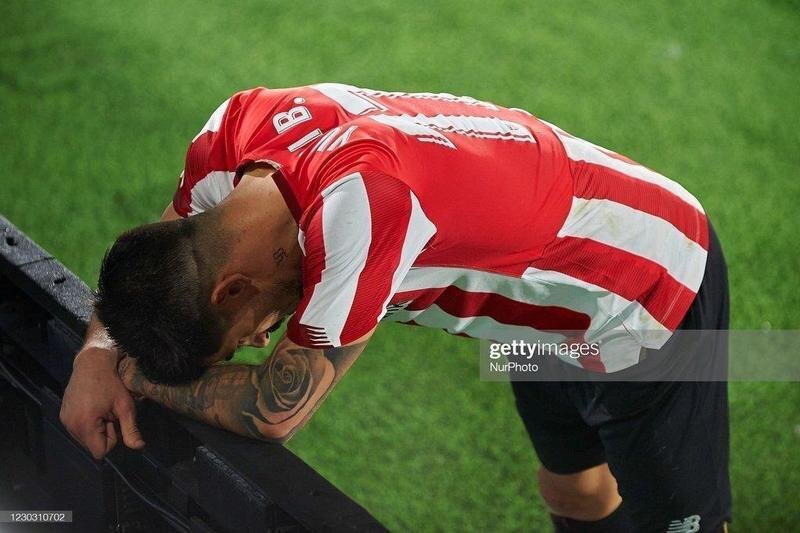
{"type": "Point", "coordinates": [190, 477]}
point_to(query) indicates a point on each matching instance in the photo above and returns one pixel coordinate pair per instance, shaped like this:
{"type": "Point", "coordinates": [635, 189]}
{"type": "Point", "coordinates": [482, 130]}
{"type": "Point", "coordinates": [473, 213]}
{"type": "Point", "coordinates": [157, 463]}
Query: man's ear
{"type": "Point", "coordinates": [232, 291]}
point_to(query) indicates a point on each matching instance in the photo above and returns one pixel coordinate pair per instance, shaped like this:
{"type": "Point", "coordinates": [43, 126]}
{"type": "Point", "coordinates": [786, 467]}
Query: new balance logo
{"type": "Point", "coordinates": [690, 524]}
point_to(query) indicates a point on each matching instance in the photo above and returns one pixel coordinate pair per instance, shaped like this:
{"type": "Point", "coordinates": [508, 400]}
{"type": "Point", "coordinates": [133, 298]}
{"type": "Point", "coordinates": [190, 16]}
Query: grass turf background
{"type": "Point", "coordinates": [99, 101]}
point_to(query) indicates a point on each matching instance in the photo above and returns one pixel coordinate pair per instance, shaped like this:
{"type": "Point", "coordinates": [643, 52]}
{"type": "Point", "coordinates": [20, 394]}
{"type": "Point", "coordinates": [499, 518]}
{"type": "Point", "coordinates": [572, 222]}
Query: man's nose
{"type": "Point", "coordinates": [259, 340]}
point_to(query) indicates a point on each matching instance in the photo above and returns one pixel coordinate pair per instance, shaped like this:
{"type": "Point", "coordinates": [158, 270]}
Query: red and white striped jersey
{"type": "Point", "coordinates": [454, 213]}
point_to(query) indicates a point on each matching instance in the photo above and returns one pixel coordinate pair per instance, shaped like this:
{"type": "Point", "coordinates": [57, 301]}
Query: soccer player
{"type": "Point", "coordinates": [341, 207]}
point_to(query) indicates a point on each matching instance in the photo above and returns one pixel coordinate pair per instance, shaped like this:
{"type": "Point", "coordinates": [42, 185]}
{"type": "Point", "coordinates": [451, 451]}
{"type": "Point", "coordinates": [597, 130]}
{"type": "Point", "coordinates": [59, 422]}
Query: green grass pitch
{"type": "Point", "coordinates": [99, 101]}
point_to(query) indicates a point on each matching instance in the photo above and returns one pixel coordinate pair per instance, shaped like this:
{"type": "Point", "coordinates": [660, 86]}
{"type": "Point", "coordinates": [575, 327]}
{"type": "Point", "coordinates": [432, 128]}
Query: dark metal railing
{"type": "Point", "coordinates": [190, 477]}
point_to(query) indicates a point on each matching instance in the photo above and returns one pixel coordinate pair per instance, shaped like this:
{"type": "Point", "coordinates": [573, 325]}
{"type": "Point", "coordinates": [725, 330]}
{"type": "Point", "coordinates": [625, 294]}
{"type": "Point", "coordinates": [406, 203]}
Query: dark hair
{"type": "Point", "coordinates": [153, 297]}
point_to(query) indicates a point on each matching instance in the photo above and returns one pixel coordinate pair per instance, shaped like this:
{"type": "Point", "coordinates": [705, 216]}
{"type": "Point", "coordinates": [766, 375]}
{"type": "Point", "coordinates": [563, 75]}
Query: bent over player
{"type": "Point", "coordinates": [341, 207]}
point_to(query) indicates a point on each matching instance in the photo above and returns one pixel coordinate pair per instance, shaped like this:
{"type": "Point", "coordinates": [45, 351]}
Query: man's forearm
{"type": "Point", "coordinates": [269, 402]}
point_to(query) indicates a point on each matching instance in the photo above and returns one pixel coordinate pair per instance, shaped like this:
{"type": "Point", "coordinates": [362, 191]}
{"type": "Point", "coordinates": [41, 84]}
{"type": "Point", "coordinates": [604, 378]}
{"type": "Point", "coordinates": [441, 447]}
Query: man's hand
{"type": "Point", "coordinates": [94, 399]}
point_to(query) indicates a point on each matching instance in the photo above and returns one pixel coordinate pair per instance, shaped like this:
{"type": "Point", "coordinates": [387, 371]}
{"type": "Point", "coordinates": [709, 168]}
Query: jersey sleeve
{"type": "Point", "coordinates": [206, 179]}
{"type": "Point", "coordinates": [358, 245]}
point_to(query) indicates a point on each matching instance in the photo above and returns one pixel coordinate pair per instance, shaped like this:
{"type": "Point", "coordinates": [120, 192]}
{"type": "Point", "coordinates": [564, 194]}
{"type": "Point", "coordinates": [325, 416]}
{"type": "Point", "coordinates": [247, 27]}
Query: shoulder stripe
{"type": "Point", "coordinates": [346, 231]}
{"type": "Point", "coordinates": [214, 122]}
{"type": "Point", "coordinates": [211, 190]}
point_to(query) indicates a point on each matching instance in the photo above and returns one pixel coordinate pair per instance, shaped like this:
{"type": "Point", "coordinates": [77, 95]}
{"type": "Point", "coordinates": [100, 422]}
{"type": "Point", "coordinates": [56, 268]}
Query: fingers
{"type": "Point", "coordinates": [95, 439]}
{"type": "Point", "coordinates": [91, 436]}
{"type": "Point", "coordinates": [126, 414]}
{"type": "Point", "coordinates": [111, 436]}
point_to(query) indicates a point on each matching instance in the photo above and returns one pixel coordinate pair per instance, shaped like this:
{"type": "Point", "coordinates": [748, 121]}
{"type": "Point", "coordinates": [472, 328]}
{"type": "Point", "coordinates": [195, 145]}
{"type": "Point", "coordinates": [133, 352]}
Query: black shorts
{"type": "Point", "coordinates": [665, 442]}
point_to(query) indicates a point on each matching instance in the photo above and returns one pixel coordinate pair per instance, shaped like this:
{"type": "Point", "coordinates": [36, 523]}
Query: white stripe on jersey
{"type": "Point", "coordinates": [347, 226]}
{"type": "Point", "coordinates": [341, 181]}
{"type": "Point", "coordinates": [543, 288]}
{"type": "Point", "coordinates": [621, 226]}
{"type": "Point", "coordinates": [526, 290]}
{"type": "Point", "coordinates": [582, 150]}
{"type": "Point", "coordinates": [346, 96]}
{"type": "Point", "coordinates": [571, 293]}
{"type": "Point", "coordinates": [420, 230]}
{"type": "Point", "coordinates": [347, 234]}
{"type": "Point", "coordinates": [211, 190]}
{"type": "Point", "coordinates": [215, 120]}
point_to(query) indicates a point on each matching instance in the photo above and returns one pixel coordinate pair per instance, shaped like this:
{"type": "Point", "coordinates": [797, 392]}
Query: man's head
{"type": "Point", "coordinates": [169, 296]}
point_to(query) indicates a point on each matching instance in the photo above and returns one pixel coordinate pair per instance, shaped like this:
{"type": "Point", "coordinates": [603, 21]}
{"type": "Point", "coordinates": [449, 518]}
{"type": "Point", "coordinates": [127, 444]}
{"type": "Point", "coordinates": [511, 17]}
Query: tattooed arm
{"type": "Point", "coordinates": [268, 402]}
